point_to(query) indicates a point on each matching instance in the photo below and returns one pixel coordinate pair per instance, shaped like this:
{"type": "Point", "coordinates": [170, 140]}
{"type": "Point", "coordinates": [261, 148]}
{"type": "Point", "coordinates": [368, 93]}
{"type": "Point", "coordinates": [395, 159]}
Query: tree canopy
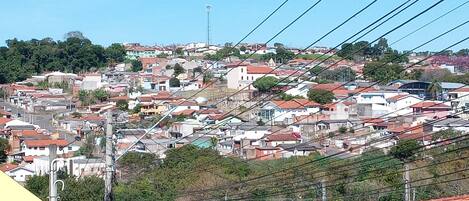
{"type": "Point", "coordinates": [265, 84]}
{"type": "Point", "coordinates": [21, 59]}
{"type": "Point", "coordinates": [321, 96]}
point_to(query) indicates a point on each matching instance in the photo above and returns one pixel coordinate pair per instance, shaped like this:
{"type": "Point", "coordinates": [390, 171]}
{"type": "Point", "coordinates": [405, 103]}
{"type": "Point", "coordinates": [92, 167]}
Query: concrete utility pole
{"type": "Point", "coordinates": [407, 182]}
{"type": "Point", "coordinates": [323, 190]}
{"type": "Point", "coordinates": [109, 160]}
{"type": "Point", "coordinates": [52, 173]}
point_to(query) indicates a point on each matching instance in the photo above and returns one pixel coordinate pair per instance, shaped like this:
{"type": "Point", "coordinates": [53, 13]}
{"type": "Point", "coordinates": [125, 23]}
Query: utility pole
{"type": "Point", "coordinates": [109, 160]}
{"type": "Point", "coordinates": [323, 190]}
{"type": "Point", "coordinates": [407, 182]}
{"type": "Point", "coordinates": [52, 173]}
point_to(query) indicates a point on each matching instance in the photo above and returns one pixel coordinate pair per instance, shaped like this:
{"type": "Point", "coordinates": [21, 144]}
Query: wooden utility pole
{"type": "Point", "coordinates": [109, 159]}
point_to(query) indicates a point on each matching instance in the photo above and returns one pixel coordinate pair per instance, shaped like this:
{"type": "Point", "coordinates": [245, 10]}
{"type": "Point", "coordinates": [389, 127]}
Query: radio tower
{"type": "Point", "coordinates": [209, 7]}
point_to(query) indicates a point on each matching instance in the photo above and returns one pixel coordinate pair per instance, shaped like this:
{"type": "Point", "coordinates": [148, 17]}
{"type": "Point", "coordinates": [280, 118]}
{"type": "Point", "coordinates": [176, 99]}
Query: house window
{"type": "Point", "coordinates": [241, 77]}
{"type": "Point", "coordinates": [42, 148]}
{"type": "Point", "coordinates": [69, 148]}
{"type": "Point", "coordinates": [252, 77]}
{"type": "Point", "coordinates": [241, 69]}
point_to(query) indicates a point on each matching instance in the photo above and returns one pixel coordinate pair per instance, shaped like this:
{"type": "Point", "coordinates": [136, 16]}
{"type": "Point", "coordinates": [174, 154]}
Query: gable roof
{"type": "Point", "coordinates": [259, 70]}
{"type": "Point", "coordinates": [295, 104]}
{"type": "Point", "coordinates": [8, 167]}
{"type": "Point", "coordinates": [283, 137]}
{"type": "Point", "coordinates": [430, 104]}
{"type": "Point", "coordinates": [44, 143]}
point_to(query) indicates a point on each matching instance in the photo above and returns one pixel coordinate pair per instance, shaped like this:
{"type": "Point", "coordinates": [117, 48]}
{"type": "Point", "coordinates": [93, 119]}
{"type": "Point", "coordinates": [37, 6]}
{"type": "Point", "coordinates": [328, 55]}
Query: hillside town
{"type": "Point", "coordinates": [366, 117]}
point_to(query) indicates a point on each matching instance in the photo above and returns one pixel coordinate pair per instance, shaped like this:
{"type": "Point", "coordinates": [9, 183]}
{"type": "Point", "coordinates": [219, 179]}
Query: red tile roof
{"type": "Point", "coordinates": [187, 112]}
{"type": "Point", "coordinates": [44, 143]}
{"type": "Point", "coordinates": [430, 104]}
{"type": "Point", "coordinates": [464, 89]}
{"type": "Point", "coordinates": [7, 167]}
{"type": "Point", "coordinates": [259, 70]}
{"type": "Point", "coordinates": [329, 86]}
{"type": "Point", "coordinates": [29, 158]}
{"type": "Point", "coordinates": [4, 120]}
{"type": "Point", "coordinates": [295, 104]}
{"type": "Point", "coordinates": [397, 97]}
{"type": "Point", "coordinates": [283, 137]}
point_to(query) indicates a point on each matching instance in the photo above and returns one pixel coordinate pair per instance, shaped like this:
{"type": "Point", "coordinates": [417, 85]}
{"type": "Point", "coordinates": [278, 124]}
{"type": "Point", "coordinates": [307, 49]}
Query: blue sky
{"type": "Point", "coordinates": [183, 21]}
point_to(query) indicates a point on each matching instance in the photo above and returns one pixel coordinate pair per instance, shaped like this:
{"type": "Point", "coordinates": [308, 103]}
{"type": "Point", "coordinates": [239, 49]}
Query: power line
{"type": "Point", "coordinates": [435, 145]}
{"type": "Point", "coordinates": [310, 62]}
{"type": "Point", "coordinates": [310, 162]}
{"type": "Point", "coordinates": [419, 47]}
{"type": "Point", "coordinates": [286, 27]}
{"type": "Point", "coordinates": [342, 59]}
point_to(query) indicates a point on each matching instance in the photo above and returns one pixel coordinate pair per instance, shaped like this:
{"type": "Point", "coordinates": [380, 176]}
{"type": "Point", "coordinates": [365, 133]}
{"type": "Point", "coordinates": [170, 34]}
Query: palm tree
{"type": "Point", "coordinates": [435, 89]}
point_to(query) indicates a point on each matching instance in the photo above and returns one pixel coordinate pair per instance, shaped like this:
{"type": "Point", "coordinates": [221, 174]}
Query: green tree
{"type": "Point", "coordinates": [179, 51]}
{"type": "Point", "coordinates": [265, 84]}
{"type": "Point", "coordinates": [405, 150]}
{"type": "Point", "coordinates": [101, 94]}
{"type": "Point", "coordinates": [435, 89]}
{"type": "Point", "coordinates": [115, 53]}
{"type": "Point", "coordinates": [122, 105]}
{"type": "Point", "coordinates": [4, 146]}
{"type": "Point", "coordinates": [321, 96]}
{"type": "Point", "coordinates": [381, 72]}
{"type": "Point", "coordinates": [242, 48]}
{"type": "Point", "coordinates": [136, 65]}
{"type": "Point", "coordinates": [178, 69]}
{"type": "Point", "coordinates": [207, 77]}
{"type": "Point", "coordinates": [174, 82]}
{"type": "Point", "coordinates": [137, 109]}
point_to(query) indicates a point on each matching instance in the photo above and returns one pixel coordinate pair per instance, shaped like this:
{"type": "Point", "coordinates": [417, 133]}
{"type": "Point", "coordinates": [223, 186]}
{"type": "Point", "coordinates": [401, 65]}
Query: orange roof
{"type": "Point", "coordinates": [29, 158]}
{"type": "Point", "coordinates": [7, 167]}
{"type": "Point", "coordinates": [429, 104]}
{"type": "Point", "coordinates": [295, 104]}
{"type": "Point", "coordinates": [464, 89]}
{"type": "Point", "coordinates": [328, 86]}
{"type": "Point", "coordinates": [283, 137]}
{"type": "Point", "coordinates": [259, 70]}
{"type": "Point", "coordinates": [187, 112]}
{"type": "Point", "coordinates": [4, 120]}
{"type": "Point", "coordinates": [44, 143]}
{"type": "Point", "coordinates": [397, 97]}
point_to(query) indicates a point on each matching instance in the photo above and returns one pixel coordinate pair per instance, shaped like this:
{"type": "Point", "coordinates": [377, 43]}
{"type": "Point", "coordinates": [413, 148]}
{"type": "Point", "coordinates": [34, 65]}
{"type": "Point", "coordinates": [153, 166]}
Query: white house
{"type": "Point", "coordinates": [459, 97]}
{"type": "Point", "coordinates": [374, 104]}
{"type": "Point", "coordinates": [41, 147]}
{"type": "Point", "coordinates": [299, 90]}
{"type": "Point", "coordinates": [184, 105]}
{"type": "Point", "coordinates": [76, 166]}
{"type": "Point", "coordinates": [285, 111]}
{"type": "Point", "coordinates": [400, 104]}
{"type": "Point", "coordinates": [20, 174]}
{"type": "Point", "coordinates": [91, 82]}
{"type": "Point", "coordinates": [242, 76]}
